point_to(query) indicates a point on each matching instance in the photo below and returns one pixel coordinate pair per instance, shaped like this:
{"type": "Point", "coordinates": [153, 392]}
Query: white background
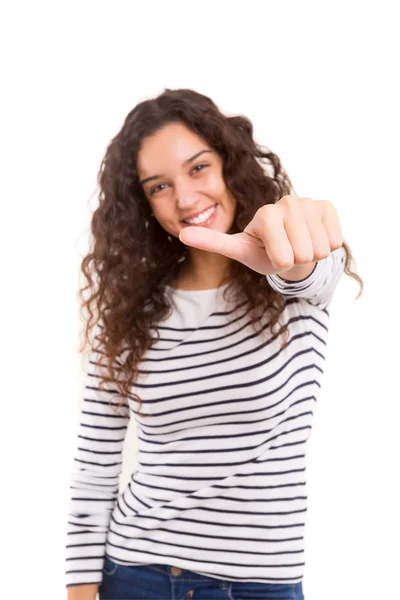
{"type": "Point", "coordinates": [319, 81]}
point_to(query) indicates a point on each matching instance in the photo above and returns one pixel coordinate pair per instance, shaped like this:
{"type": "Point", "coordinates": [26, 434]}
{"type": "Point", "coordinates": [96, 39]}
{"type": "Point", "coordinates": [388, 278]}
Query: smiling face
{"type": "Point", "coordinates": [181, 176]}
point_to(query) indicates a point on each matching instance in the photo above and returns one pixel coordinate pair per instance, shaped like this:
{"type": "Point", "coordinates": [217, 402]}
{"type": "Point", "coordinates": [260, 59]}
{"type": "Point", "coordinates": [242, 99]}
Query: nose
{"type": "Point", "coordinates": [186, 194]}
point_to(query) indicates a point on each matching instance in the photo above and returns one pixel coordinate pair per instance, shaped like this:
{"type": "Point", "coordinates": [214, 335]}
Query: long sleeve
{"type": "Point", "coordinates": [95, 476]}
{"type": "Point", "coordinates": [319, 286]}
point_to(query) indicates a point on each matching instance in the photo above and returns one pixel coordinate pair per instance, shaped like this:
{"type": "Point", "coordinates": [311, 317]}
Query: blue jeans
{"type": "Point", "coordinates": [163, 582]}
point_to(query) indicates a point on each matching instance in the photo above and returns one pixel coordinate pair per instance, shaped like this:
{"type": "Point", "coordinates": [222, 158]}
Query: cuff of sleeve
{"type": "Point", "coordinates": [287, 287]}
{"type": "Point", "coordinates": [298, 280]}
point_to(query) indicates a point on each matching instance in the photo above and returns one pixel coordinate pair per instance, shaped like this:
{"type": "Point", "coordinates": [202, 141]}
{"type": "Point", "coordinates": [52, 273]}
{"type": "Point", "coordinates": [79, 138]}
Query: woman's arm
{"type": "Point", "coordinates": [319, 286]}
{"type": "Point", "coordinates": [95, 479]}
{"type": "Point", "coordinates": [83, 592]}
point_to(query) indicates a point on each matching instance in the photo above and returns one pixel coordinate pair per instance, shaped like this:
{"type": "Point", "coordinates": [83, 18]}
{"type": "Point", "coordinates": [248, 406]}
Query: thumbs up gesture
{"type": "Point", "coordinates": [291, 232]}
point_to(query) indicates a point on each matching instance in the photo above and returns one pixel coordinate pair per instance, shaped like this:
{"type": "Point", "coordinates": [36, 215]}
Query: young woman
{"type": "Point", "coordinates": [207, 291]}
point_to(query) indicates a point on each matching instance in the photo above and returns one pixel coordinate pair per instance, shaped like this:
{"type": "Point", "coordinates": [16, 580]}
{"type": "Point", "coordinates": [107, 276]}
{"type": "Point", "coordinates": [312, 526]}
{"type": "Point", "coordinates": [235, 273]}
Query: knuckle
{"type": "Point", "coordinates": [308, 202]}
{"type": "Point", "coordinates": [267, 209]}
{"type": "Point", "coordinates": [290, 201]}
{"type": "Point", "coordinates": [336, 245]}
{"type": "Point", "coordinates": [321, 255]}
{"type": "Point", "coordinates": [326, 205]}
{"type": "Point", "coordinates": [303, 259]}
{"type": "Point", "coordinates": [281, 263]}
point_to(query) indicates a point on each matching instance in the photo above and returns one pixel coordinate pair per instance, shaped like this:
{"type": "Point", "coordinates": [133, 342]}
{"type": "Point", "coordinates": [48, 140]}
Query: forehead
{"type": "Point", "coordinates": [168, 148]}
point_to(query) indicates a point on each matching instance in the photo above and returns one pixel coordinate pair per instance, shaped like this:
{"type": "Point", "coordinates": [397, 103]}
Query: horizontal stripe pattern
{"type": "Point", "coordinates": [220, 485]}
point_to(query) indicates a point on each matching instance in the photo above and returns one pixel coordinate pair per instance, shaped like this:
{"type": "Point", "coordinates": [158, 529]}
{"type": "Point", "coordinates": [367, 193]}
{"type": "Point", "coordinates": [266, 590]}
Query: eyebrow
{"type": "Point", "coordinates": [185, 162]}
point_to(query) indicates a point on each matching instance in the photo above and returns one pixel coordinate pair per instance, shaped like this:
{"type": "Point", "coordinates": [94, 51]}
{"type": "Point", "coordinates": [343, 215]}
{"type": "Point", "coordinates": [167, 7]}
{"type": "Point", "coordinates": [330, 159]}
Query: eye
{"type": "Point", "coordinates": [197, 166]}
{"type": "Point", "coordinates": [154, 189]}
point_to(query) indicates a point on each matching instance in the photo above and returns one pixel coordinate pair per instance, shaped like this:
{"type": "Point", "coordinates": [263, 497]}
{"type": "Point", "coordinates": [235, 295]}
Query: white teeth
{"type": "Point", "coordinates": [204, 216]}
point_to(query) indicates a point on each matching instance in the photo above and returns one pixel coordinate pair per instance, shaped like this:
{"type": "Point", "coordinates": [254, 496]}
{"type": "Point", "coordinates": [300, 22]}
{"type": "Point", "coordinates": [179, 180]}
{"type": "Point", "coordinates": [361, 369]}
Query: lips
{"type": "Point", "coordinates": [193, 216]}
{"type": "Point", "coordinates": [204, 223]}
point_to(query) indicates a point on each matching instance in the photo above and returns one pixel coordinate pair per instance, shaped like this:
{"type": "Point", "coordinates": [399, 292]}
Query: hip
{"type": "Point", "coordinates": [165, 582]}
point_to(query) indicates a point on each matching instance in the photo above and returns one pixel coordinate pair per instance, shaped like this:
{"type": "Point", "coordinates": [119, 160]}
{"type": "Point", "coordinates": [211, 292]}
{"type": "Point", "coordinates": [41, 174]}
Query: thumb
{"type": "Point", "coordinates": [211, 241]}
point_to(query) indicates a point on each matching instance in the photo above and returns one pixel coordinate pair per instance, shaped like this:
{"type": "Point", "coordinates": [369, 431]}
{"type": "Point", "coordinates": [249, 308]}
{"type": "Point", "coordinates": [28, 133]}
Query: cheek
{"type": "Point", "coordinates": [160, 215]}
{"type": "Point", "coordinates": [165, 217]}
{"type": "Point", "coordinates": [217, 188]}
{"type": "Point", "coordinates": [215, 185]}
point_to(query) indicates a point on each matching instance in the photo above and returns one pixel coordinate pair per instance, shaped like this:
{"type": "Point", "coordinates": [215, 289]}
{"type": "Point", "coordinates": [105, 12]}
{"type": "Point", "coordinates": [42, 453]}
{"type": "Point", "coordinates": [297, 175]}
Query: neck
{"type": "Point", "coordinates": [204, 270]}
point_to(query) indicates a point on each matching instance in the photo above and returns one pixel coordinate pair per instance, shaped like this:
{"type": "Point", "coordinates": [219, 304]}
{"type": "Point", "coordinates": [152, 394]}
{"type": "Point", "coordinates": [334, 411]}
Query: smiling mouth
{"type": "Point", "coordinates": [209, 211]}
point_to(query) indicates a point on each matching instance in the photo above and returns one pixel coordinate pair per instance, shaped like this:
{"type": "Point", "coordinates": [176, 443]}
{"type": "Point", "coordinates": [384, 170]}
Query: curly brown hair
{"type": "Point", "coordinates": [132, 258]}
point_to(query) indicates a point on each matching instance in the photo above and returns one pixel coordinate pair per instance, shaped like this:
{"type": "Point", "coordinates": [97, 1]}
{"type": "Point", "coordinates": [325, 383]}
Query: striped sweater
{"type": "Point", "coordinates": [220, 486]}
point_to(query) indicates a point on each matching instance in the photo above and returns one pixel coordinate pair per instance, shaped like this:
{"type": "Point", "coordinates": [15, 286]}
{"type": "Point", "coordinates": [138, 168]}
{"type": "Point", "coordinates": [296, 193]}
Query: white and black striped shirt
{"type": "Point", "coordinates": [220, 484]}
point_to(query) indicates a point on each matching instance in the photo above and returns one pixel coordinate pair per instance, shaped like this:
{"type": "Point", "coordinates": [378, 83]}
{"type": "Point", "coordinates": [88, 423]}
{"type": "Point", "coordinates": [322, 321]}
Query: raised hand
{"type": "Point", "coordinates": [291, 232]}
